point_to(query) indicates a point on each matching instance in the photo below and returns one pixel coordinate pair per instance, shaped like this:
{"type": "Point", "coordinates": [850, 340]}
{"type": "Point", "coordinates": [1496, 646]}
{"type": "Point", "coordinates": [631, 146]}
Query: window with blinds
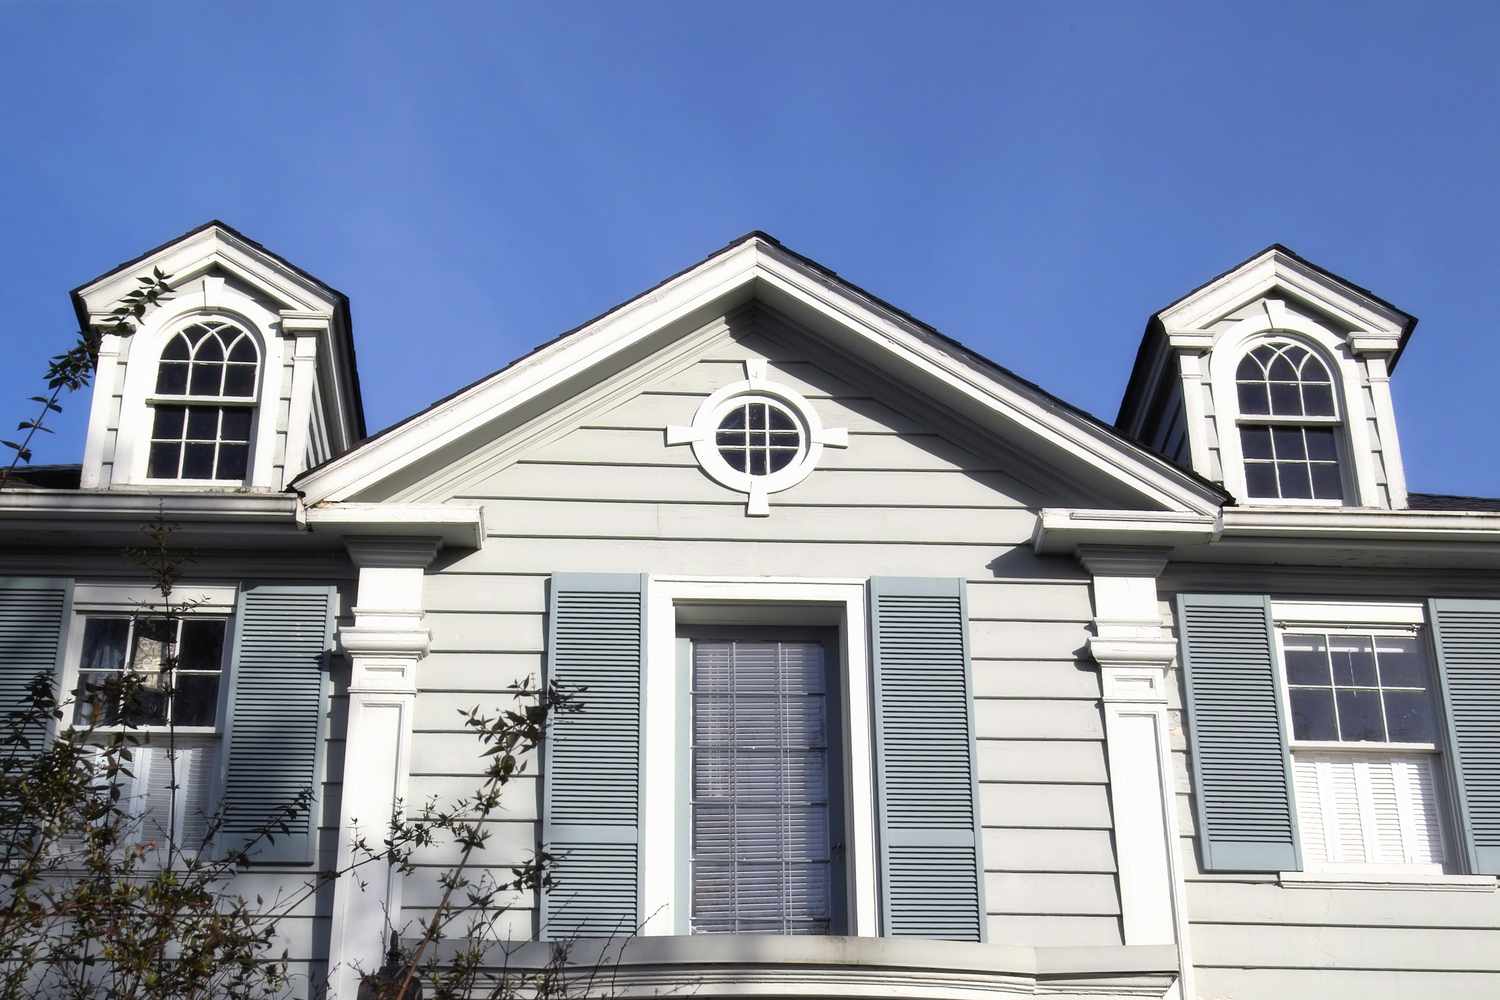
{"type": "Point", "coordinates": [762, 835]}
{"type": "Point", "coordinates": [1365, 760]}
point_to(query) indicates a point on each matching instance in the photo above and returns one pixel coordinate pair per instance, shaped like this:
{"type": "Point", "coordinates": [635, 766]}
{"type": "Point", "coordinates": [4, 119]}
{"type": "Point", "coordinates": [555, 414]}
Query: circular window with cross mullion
{"type": "Point", "coordinates": [758, 436]}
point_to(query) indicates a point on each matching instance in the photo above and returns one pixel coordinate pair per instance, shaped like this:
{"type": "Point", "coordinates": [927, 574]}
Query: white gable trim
{"type": "Point", "coordinates": [756, 268]}
{"type": "Point", "coordinates": [1276, 269]}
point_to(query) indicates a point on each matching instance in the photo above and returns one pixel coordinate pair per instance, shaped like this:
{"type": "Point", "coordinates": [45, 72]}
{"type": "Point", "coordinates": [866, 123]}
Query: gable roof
{"type": "Point", "coordinates": [758, 266]}
{"type": "Point", "coordinates": [341, 301]}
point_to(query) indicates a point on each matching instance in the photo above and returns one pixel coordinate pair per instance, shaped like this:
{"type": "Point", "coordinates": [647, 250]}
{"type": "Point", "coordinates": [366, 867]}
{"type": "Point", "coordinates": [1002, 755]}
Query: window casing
{"type": "Point", "coordinates": [1289, 425]}
{"type": "Point", "coordinates": [202, 409]}
{"type": "Point", "coordinates": [1365, 745]}
{"type": "Point", "coordinates": [765, 811]}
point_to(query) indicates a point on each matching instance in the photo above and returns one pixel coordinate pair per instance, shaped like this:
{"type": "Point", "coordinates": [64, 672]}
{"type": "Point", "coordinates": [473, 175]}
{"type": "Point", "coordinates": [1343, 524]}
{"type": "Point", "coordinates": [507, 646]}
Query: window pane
{"type": "Point", "coordinates": [1306, 658]}
{"type": "Point", "coordinates": [735, 458]}
{"type": "Point", "coordinates": [202, 644]}
{"type": "Point", "coordinates": [239, 380]}
{"type": "Point", "coordinates": [207, 379]}
{"type": "Point", "coordinates": [757, 416]}
{"type": "Point", "coordinates": [1320, 444]}
{"type": "Point", "coordinates": [164, 459]}
{"type": "Point", "coordinates": [734, 419]}
{"type": "Point", "coordinates": [195, 701]}
{"type": "Point", "coordinates": [152, 636]}
{"type": "Point", "coordinates": [1249, 370]}
{"type": "Point", "coordinates": [757, 463]}
{"type": "Point", "coordinates": [1295, 484]}
{"type": "Point", "coordinates": [1359, 716]}
{"type": "Point", "coordinates": [97, 694]}
{"type": "Point", "coordinates": [233, 460]}
{"type": "Point", "coordinates": [235, 425]}
{"type": "Point", "coordinates": [1253, 398]}
{"type": "Point", "coordinates": [203, 423]}
{"type": "Point", "coordinates": [781, 459]}
{"type": "Point", "coordinates": [1312, 714]}
{"type": "Point", "coordinates": [1256, 442]}
{"type": "Point", "coordinates": [243, 351]}
{"type": "Point", "coordinates": [210, 349]}
{"type": "Point", "coordinates": [781, 420]}
{"type": "Point", "coordinates": [172, 378]}
{"type": "Point", "coordinates": [1403, 662]}
{"type": "Point", "coordinates": [147, 705]}
{"type": "Point", "coordinates": [1353, 658]}
{"type": "Point", "coordinates": [104, 642]}
{"type": "Point", "coordinates": [1285, 400]}
{"type": "Point", "coordinates": [1288, 441]}
{"type": "Point", "coordinates": [1260, 479]}
{"type": "Point", "coordinates": [168, 423]}
{"type": "Point", "coordinates": [1327, 483]}
{"type": "Point", "coordinates": [198, 463]}
{"type": "Point", "coordinates": [1317, 399]}
{"type": "Point", "coordinates": [176, 349]}
{"type": "Point", "coordinates": [1282, 369]}
{"type": "Point", "coordinates": [1409, 717]}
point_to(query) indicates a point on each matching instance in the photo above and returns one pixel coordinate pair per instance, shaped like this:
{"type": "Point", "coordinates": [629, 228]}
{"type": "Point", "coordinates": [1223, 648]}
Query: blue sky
{"type": "Point", "coordinates": [1035, 179]}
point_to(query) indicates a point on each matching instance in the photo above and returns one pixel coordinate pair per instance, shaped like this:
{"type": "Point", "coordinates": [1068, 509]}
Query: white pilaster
{"type": "Point", "coordinates": [1134, 655]}
{"type": "Point", "coordinates": [106, 374]}
{"type": "Point", "coordinates": [385, 642]}
{"type": "Point", "coordinates": [304, 329]}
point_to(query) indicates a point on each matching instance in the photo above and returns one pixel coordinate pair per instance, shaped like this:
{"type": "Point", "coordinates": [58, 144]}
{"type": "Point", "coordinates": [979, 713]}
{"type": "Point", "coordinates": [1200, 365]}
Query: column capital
{"type": "Point", "coordinates": [1123, 560]}
{"type": "Point", "coordinates": [376, 551]}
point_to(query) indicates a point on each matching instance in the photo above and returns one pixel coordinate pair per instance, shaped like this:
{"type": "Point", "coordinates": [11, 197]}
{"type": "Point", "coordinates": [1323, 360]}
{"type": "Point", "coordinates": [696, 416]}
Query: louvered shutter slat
{"type": "Point", "coordinates": [276, 705]}
{"type": "Point", "coordinates": [1241, 767]}
{"type": "Point", "coordinates": [592, 758]}
{"type": "Point", "coordinates": [931, 869]}
{"type": "Point", "coordinates": [1467, 637]}
{"type": "Point", "coordinates": [33, 622]}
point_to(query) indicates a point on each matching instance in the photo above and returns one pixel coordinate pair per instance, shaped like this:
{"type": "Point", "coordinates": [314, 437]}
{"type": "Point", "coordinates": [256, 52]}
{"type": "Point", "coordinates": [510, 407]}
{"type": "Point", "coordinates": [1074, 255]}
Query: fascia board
{"type": "Point", "coordinates": [716, 282]}
{"type": "Point", "coordinates": [1012, 403]}
{"type": "Point", "coordinates": [486, 401]}
{"type": "Point", "coordinates": [228, 518]}
{"type": "Point", "coordinates": [1265, 274]}
{"type": "Point", "coordinates": [458, 527]}
{"type": "Point", "coordinates": [1363, 525]}
{"type": "Point", "coordinates": [194, 255]}
{"type": "Point", "coordinates": [1061, 531]}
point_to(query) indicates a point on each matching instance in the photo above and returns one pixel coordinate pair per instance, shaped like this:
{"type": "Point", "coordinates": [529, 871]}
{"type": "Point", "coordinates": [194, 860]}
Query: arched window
{"type": "Point", "coordinates": [204, 404]}
{"type": "Point", "coordinates": [1289, 423]}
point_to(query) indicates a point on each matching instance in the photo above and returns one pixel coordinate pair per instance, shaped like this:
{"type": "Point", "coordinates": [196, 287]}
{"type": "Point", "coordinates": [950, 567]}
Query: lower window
{"type": "Point", "coordinates": [766, 817]}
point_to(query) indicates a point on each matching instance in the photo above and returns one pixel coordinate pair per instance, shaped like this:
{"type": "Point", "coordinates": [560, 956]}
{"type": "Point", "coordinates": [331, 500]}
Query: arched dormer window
{"type": "Point", "coordinates": [203, 408]}
{"type": "Point", "coordinates": [1289, 424]}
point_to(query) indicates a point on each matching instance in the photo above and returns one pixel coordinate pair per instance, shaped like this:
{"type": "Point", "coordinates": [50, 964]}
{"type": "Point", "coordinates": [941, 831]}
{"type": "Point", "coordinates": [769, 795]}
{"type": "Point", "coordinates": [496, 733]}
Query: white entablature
{"type": "Point", "coordinates": [1193, 395]}
{"type": "Point", "coordinates": [248, 343]}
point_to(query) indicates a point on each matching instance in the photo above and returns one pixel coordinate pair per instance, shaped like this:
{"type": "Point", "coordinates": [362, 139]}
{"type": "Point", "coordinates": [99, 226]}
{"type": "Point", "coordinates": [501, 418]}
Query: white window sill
{"type": "Point", "coordinates": [1384, 880]}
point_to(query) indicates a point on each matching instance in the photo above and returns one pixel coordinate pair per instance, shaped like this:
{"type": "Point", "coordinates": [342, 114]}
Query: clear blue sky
{"type": "Point", "coordinates": [1034, 179]}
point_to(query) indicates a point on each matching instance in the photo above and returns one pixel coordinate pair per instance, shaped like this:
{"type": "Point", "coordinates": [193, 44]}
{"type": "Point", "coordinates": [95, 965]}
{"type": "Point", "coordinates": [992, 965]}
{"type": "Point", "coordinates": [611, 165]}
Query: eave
{"type": "Point", "coordinates": [1285, 536]}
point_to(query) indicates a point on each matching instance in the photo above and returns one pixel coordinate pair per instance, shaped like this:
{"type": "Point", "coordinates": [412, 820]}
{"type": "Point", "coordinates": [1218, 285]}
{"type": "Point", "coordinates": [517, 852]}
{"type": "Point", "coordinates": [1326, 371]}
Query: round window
{"type": "Point", "coordinates": [759, 436]}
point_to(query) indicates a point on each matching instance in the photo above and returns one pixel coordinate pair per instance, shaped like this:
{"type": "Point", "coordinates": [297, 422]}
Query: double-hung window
{"type": "Point", "coordinates": [766, 816]}
{"type": "Point", "coordinates": [1289, 424]}
{"type": "Point", "coordinates": [1365, 739]}
{"type": "Point", "coordinates": [176, 709]}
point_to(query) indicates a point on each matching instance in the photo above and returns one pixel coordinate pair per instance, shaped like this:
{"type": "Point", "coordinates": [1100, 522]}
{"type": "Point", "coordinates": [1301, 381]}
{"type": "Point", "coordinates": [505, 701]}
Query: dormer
{"type": "Point", "coordinates": [243, 379]}
{"type": "Point", "coordinates": [1274, 380]}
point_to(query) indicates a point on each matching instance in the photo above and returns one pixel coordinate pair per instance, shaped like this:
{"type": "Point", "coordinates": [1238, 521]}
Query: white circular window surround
{"type": "Point", "coordinates": [757, 437]}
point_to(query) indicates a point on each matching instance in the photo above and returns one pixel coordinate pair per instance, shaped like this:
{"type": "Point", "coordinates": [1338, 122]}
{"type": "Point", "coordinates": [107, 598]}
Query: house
{"type": "Point", "coordinates": [904, 676]}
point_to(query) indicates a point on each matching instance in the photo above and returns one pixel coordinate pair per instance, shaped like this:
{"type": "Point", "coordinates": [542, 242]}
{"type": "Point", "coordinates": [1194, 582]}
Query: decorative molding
{"type": "Point", "coordinates": [454, 525]}
{"type": "Point", "coordinates": [812, 966]}
{"type": "Point", "coordinates": [702, 435]}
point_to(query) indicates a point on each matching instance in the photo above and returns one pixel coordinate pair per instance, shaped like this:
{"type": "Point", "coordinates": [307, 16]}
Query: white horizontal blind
{"type": "Point", "coordinates": [183, 813]}
{"type": "Point", "coordinates": [1369, 809]}
{"type": "Point", "coordinates": [760, 789]}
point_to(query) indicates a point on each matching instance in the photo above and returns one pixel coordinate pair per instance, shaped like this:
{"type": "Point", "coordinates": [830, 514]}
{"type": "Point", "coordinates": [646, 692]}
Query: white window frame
{"type": "Point", "coordinates": [662, 870]}
{"type": "Point", "coordinates": [219, 302]}
{"type": "Point", "coordinates": [1276, 322]}
{"type": "Point", "coordinates": [1366, 619]}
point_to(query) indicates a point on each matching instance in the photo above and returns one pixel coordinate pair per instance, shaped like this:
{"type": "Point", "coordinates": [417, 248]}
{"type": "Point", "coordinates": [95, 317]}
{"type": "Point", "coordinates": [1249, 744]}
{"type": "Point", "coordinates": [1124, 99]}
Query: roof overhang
{"type": "Point", "coordinates": [759, 268]}
{"type": "Point", "coordinates": [1365, 537]}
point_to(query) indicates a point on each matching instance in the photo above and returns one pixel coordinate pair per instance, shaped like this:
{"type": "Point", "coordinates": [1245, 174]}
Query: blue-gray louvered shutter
{"type": "Point", "coordinates": [932, 871]}
{"type": "Point", "coordinates": [277, 698]}
{"type": "Point", "coordinates": [34, 616]}
{"type": "Point", "coordinates": [592, 758]}
{"type": "Point", "coordinates": [1466, 634]}
{"type": "Point", "coordinates": [1241, 763]}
